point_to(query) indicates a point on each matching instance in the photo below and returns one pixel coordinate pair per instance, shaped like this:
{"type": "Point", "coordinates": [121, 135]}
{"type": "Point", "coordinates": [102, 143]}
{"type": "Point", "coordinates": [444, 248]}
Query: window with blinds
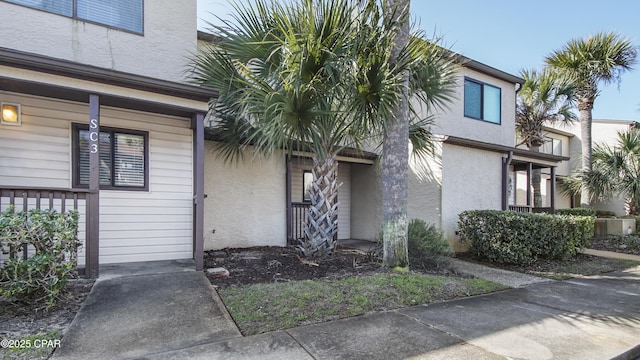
{"type": "Point", "coordinates": [123, 158]}
{"type": "Point", "coordinates": [119, 14]}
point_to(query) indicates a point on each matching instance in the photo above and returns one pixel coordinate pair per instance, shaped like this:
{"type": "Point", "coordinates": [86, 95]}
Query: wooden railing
{"type": "Point", "coordinates": [27, 198]}
{"type": "Point", "coordinates": [530, 209]}
{"type": "Point", "coordinates": [298, 217]}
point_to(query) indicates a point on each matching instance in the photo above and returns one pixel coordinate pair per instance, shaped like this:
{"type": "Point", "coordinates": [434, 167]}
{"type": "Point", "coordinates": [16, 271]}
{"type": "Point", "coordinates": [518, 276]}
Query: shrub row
{"type": "Point", "coordinates": [53, 237]}
{"type": "Point", "coordinates": [520, 238]}
{"type": "Point", "coordinates": [576, 212]}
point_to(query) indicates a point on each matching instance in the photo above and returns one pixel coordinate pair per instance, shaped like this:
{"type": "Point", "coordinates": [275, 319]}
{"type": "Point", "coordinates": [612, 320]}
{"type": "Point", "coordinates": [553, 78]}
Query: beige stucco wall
{"type": "Point", "coordinates": [366, 201]}
{"type": "Point", "coordinates": [134, 225]}
{"type": "Point", "coordinates": [452, 121]}
{"type": "Point", "coordinates": [246, 203]}
{"type": "Point", "coordinates": [472, 180]}
{"type": "Point", "coordinates": [169, 37]}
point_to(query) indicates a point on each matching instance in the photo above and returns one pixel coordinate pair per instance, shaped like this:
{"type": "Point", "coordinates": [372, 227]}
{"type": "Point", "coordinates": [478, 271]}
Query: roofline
{"type": "Point", "coordinates": [558, 131]}
{"type": "Point", "coordinates": [46, 64]}
{"type": "Point", "coordinates": [461, 59]}
{"type": "Point", "coordinates": [612, 121]}
{"type": "Point", "coordinates": [488, 70]}
{"type": "Point", "coordinates": [453, 140]}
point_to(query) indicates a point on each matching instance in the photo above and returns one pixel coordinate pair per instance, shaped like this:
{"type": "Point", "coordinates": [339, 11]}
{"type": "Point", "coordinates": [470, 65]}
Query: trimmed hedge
{"type": "Point", "coordinates": [41, 277]}
{"type": "Point", "coordinates": [520, 238]}
{"type": "Point", "coordinates": [605, 214]}
{"type": "Point", "coordinates": [576, 212]}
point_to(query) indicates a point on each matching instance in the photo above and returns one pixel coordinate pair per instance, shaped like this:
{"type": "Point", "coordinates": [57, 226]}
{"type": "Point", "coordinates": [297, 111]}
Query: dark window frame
{"type": "Point", "coordinates": [482, 116]}
{"type": "Point", "coordinates": [75, 146]}
{"type": "Point", "coordinates": [76, 17]}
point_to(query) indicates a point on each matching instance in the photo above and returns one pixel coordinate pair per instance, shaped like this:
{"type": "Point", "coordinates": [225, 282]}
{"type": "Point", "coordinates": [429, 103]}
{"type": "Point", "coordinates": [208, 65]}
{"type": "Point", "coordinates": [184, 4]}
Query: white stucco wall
{"type": "Point", "coordinates": [161, 52]}
{"type": "Point", "coordinates": [453, 122]}
{"type": "Point", "coordinates": [246, 203]}
{"type": "Point", "coordinates": [472, 180]}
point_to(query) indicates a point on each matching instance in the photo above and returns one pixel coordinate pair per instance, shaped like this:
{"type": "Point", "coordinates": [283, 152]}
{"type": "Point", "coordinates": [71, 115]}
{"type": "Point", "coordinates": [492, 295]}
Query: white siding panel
{"type": "Point", "coordinates": [134, 225]}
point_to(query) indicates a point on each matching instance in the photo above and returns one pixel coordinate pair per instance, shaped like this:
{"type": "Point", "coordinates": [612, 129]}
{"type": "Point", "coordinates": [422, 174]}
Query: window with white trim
{"type": "Point", "coordinates": [120, 14]}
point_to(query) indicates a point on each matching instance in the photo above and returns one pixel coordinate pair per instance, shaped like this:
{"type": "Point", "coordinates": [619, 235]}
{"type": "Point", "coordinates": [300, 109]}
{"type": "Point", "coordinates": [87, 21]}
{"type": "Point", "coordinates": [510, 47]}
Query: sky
{"type": "Point", "coordinates": [512, 35]}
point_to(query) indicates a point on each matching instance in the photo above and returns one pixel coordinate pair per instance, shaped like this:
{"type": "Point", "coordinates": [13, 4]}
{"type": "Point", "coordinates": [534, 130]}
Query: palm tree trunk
{"type": "Point", "coordinates": [321, 225]}
{"type": "Point", "coordinates": [585, 106]}
{"type": "Point", "coordinates": [395, 154]}
{"type": "Point", "coordinates": [536, 178]}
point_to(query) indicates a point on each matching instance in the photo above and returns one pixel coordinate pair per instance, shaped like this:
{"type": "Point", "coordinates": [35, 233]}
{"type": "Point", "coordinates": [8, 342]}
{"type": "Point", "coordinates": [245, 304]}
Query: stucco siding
{"type": "Point", "coordinates": [134, 225]}
{"type": "Point", "coordinates": [169, 34]}
{"type": "Point", "coordinates": [245, 204]}
{"type": "Point", "coordinates": [472, 180]}
{"type": "Point", "coordinates": [452, 121]}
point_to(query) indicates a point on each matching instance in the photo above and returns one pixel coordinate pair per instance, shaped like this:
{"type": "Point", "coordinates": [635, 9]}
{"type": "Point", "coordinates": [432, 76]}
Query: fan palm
{"type": "Point", "coordinates": [545, 98]}
{"type": "Point", "coordinates": [315, 75]}
{"type": "Point", "coordinates": [616, 170]}
{"type": "Point", "coordinates": [600, 58]}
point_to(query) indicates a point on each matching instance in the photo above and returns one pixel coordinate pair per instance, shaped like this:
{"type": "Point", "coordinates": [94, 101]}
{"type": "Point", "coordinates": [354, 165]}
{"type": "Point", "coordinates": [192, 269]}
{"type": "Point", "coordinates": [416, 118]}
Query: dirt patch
{"type": "Point", "coordinates": [19, 320]}
{"type": "Point", "coordinates": [275, 264]}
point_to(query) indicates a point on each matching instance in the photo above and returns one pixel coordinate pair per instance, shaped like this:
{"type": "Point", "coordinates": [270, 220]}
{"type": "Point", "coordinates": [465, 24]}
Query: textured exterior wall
{"type": "Point", "coordinates": [472, 180]}
{"type": "Point", "coordinates": [453, 122]}
{"type": "Point", "coordinates": [246, 203]}
{"type": "Point", "coordinates": [134, 225]}
{"type": "Point", "coordinates": [169, 37]}
{"type": "Point", "coordinates": [366, 201]}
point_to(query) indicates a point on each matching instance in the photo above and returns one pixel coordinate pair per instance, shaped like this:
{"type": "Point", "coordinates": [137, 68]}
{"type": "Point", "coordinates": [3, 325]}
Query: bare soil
{"type": "Point", "coordinates": [275, 264]}
{"type": "Point", "coordinates": [17, 320]}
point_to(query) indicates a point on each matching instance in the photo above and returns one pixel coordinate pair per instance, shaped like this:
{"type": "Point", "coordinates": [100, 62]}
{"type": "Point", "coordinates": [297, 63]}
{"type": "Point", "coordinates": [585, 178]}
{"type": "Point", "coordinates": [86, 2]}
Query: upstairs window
{"type": "Point", "coordinates": [123, 158]}
{"type": "Point", "coordinates": [120, 14]}
{"type": "Point", "coordinates": [482, 101]}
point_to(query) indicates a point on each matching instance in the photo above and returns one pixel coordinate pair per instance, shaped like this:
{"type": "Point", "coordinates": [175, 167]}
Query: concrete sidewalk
{"type": "Point", "coordinates": [591, 318]}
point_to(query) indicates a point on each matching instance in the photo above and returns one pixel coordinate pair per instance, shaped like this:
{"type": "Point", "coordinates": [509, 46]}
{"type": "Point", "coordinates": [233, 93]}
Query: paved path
{"type": "Point", "coordinates": [590, 318]}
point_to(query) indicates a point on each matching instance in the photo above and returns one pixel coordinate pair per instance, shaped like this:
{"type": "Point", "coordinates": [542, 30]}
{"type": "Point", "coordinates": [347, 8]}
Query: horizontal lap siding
{"type": "Point", "coordinates": [134, 225]}
{"type": "Point", "coordinates": [154, 225]}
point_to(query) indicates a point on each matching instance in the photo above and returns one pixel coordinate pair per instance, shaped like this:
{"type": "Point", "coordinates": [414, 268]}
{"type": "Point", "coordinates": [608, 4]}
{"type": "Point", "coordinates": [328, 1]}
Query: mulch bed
{"type": "Point", "coordinates": [612, 244]}
{"type": "Point", "coordinates": [276, 264]}
{"type": "Point", "coordinates": [23, 319]}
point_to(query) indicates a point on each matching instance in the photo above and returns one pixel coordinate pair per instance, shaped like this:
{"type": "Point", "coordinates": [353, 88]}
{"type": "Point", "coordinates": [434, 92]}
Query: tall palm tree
{"type": "Point", "coordinates": [600, 58]}
{"type": "Point", "coordinates": [616, 170]}
{"type": "Point", "coordinates": [315, 75]}
{"type": "Point", "coordinates": [545, 98]}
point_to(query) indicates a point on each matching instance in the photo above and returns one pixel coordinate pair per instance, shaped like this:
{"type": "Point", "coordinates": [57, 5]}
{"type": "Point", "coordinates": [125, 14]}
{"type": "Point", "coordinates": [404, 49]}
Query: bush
{"type": "Point", "coordinates": [605, 214]}
{"type": "Point", "coordinates": [576, 212]}
{"type": "Point", "coordinates": [41, 277]}
{"type": "Point", "coordinates": [427, 246]}
{"type": "Point", "coordinates": [520, 238]}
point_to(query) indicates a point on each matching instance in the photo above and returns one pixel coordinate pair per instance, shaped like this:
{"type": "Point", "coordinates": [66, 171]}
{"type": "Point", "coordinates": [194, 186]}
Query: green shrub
{"type": "Point", "coordinates": [427, 245]}
{"type": "Point", "coordinates": [576, 212]}
{"type": "Point", "coordinates": [41, 277]}
{"type": "Point", "coordinates": [520, 238]}
{"type": "Point", "coordinates": [605, 214]}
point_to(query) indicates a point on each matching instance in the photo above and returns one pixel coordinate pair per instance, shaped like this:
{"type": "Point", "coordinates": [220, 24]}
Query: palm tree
{"type": "Point", "coordinates": [616, 170]}
{"type": "Point", "coordinates": [545, 98]}
{"type": "Point", "coordinates": [317, 76]}
{"type": "Point", "coordinates": [600, 58]}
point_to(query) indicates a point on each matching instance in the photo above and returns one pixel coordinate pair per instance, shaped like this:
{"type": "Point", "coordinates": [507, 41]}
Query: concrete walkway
{"type": "Point", "coordinates": [589, 318]}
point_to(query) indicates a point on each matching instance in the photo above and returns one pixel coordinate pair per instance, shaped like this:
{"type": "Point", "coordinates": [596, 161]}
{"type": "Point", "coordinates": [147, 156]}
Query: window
{"type": "Point", "coordinates": [123, 158]}
{"type": "Point", "coordinates": [307, 182]}
{"type": "Point", "coordinates": [121, 14]}
{"type": "Point", "coordinates": [552, 146]}
{"type": "Point", "coordinates": [481, 101]}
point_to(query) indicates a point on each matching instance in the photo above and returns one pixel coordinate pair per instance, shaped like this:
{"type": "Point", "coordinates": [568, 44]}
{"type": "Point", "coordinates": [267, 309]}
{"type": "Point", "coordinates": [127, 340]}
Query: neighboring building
{"type": "Point", "coordinates": [121, 65]}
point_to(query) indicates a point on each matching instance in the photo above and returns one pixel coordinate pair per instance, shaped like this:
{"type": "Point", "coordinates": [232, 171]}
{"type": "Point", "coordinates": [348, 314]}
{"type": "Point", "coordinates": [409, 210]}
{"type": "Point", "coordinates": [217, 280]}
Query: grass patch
{"type": "Point", "coordinates": [597, 265]}
{"type": "Point", "coordinates": [34, 346]}
{"type": "Point", "coordinates": [260, 308]}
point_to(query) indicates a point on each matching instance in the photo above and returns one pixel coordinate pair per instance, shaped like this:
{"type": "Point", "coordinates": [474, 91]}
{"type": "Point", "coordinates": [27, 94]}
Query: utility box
{"type": "Point", "coordinates": [606, 227]}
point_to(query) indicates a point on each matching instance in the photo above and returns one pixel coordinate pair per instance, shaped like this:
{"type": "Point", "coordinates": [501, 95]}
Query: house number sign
{"type": "Point", "coordinates": [93, 136]}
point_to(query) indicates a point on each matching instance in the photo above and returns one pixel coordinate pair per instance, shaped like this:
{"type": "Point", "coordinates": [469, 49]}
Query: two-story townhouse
{"type": "Point", "coordinates": [97, 116]}
{"type": "Point", "coordinates": [475, 153]}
